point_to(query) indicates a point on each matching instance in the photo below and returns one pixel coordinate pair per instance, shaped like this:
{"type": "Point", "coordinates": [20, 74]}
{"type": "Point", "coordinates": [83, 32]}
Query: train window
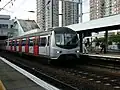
{"type": "Point", "coordinates": [23, 42]}
{"type": "Point", "coordinates": [42, 41]}
{"type": "Point", "coordinates": [10, 43]}
{"type": "Point", "coordinates": [31, 42]}
{"type": "Point", "coordinates": [13, 42]}
{"type": "Point", "coordinates": [60, 39]}
{"type": "Point", "coordinates": [17, 43]}
{"type": "Point", "coordinates": [66, 40]}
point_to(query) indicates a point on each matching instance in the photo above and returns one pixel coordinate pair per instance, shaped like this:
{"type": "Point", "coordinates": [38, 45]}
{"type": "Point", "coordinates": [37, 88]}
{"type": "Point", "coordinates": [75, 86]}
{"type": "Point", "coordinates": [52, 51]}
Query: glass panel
{"type": "Point", "coordinates": [66, 40]}
{"type": "Point", "coordinates": [23, 42]}
{"type": "Point", "coordinates": [30, 42]}
{"type": "Point", "coordinates": [42, 41]}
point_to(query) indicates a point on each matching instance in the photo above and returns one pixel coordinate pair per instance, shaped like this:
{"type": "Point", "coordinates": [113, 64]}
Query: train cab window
{"type": "Point", "coordinates": [42, 41]}
{"type": "Point", "coordinates": [59, 39]}
{"type": "Point", "coordinates": [66, 40]}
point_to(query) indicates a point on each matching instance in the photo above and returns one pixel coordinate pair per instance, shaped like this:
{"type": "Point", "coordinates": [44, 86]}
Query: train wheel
{"type": "Point", "coordinates": [71, 60]}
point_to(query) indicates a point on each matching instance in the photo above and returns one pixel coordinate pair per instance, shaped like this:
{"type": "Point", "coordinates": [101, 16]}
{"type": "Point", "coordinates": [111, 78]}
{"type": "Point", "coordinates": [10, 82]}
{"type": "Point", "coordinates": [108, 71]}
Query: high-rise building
{"type": "Point", "coordinates": [48, 13]}
{"type": "Point", "coordinates": [52, 14]}
{"type": "Point", "coordinates": [70, 12]}
{"type": "Point", "coordinates": [41, 14]}
{"type": "Point", "coordinates": [103, 8]}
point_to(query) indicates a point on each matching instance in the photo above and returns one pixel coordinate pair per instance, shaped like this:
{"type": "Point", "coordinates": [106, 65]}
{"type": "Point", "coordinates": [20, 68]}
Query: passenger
{"type": "Point", "coordinates": [88, 44]}
{"type": "Point", "coordinates": [102, 45]}
{"type": "Point", "coordinates": [85, 51]}
{"type": "Point", "coordinates": [97, 46]}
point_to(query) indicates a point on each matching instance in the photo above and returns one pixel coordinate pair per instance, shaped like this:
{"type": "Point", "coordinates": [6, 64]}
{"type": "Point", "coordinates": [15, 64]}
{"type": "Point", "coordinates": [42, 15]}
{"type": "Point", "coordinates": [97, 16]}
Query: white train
{"type": "Point", "coordinates": [57, 43]}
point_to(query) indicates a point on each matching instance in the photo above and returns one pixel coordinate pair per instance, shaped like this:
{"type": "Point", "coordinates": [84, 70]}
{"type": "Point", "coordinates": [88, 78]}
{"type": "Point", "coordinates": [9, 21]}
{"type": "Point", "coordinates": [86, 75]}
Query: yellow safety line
{"type": "Point", "coordinates": [2, 86]}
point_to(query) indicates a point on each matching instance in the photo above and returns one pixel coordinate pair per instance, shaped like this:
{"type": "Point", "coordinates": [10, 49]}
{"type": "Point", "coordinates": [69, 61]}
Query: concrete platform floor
{"type": "Point", "coordinates": [13, 80]}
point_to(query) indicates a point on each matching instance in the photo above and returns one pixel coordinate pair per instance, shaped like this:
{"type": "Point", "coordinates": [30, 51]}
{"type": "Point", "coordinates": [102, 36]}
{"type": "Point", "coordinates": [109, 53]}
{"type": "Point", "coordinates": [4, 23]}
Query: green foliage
{"type": "Point", "coordinates": [112, 38]}
{"type": "Point", "coordinates": [109, 42]}
{"type": "Point", "coordinates": [115, 38]}
{"type": "Point", "coordinates": [100, 39]}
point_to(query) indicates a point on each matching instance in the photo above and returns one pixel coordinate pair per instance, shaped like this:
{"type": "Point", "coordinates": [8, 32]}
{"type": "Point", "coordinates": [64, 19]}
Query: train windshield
{"type": "Point", "coordinates": [66, 40]}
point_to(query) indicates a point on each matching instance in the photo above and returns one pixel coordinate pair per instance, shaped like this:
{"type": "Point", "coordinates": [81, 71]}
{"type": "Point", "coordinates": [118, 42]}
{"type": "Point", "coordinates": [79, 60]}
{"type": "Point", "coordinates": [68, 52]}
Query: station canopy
{"type": "Point", "coordinates": [102, 24]}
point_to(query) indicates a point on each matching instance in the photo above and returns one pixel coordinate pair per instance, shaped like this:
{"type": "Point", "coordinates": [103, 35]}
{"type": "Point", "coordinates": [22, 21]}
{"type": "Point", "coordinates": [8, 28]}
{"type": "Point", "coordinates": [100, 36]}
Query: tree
{"type": "Point", "coordinates": [115, 38]}
{"type": "Point", "coordinates": [112, 38]}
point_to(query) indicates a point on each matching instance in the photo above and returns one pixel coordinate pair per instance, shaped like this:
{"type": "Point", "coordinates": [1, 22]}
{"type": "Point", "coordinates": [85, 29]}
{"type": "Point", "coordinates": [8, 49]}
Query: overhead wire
{"type": "Point", "coordinates": [5, 5]}
{"type": "Point", "coordinates": [3, 8]}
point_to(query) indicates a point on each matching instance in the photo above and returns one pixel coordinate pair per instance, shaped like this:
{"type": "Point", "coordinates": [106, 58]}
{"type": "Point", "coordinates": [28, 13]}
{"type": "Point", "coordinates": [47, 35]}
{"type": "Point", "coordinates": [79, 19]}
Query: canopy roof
{"type": "Point", "coordinates": [101, 24]}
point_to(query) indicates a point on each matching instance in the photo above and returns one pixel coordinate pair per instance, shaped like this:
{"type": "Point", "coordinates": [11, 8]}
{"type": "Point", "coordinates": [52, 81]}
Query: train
{"type": "Point", "coordinates": [60, 43]}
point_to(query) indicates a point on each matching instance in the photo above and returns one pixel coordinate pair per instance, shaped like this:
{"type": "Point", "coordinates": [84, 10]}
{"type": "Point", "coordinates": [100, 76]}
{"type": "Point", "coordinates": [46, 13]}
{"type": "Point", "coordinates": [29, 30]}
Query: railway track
{"type": "Point", "coordinates": [103, 78]}
{"type": "Point", "coordinates": [37, 72]}
{"type": "Point", "coordinates": [77, 78]}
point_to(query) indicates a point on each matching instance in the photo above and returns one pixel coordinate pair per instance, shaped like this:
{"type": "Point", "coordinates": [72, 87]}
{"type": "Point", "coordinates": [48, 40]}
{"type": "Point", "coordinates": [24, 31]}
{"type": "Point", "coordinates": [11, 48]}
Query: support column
{"type": "Point", "coordinates": [81, 42]}
{"type": "Point", "coordinates": [106, 40]}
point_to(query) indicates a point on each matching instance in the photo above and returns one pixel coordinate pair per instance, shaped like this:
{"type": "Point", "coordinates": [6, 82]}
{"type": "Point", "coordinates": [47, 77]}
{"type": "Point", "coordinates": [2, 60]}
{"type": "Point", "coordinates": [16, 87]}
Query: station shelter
{"type": "Point", "coordinates": [103, 24]}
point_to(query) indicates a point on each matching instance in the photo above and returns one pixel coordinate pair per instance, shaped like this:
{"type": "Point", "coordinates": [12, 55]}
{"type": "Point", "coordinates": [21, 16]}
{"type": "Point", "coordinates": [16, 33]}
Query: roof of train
{"type": "Point", "coordinates": [58, 29]}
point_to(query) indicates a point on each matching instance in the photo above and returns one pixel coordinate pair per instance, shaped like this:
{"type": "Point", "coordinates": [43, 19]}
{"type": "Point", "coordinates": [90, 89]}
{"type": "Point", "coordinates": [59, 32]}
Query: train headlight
{"type": "Point", "coordinates": [77, 51]}
{"type": "Point", "coordinates": [59, 51]}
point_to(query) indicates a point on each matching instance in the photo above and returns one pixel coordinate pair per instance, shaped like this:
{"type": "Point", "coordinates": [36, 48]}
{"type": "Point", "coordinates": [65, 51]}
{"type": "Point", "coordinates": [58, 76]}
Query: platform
{"type": "Point", "coordinates": [109, 56]}
{"type": "Point", "coordinates": [14, 80]}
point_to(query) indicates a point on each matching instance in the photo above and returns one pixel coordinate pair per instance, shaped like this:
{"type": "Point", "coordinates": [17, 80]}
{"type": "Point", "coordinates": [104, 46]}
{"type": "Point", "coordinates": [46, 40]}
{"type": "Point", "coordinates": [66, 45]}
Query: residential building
{"type": "Point", "coordinates": [48, 13]}
{"type": "Point", "coordinates": [5, 25]}
{"type": "Point", "coordinates": [104, 8]}
{"type": "Point", "coordinates": [70, 12]}
{"type": "Point", "coordinates": [5, 28]}
{"type": "Point", "coordinates": [41, 14]}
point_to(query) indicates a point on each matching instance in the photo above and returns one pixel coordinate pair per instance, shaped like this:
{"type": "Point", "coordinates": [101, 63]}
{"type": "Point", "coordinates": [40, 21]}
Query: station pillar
{"type": "Point", "coordinates": [106, 41]}
{"type": "Point", "coordinates": [81, 42]}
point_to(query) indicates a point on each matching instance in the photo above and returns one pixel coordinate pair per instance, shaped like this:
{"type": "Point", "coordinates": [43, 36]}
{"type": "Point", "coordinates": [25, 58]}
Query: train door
{"type": "Point", "coordinates": [31, 44]}
{"type": "Point", "coordinates": [17, 45]}
{"type": "Point", "coordinates": [27, 46]}
{"type": "Point", "coordinates": [36, 47]}
{"type": "Point", "coordinates": [7, 44]}
{"type": "Point", "coordinates": [48, 46]}
{"type": "Point", "coordinates": [20, 45]}
{"type": "Point", "coordinates": [43, 46]}
{"type": "Point", "coordinates": [9, 48]}
{"type": "Point", "coordinates": [23, 44]}
{"type": "Point", "coordinates": [11, 45]}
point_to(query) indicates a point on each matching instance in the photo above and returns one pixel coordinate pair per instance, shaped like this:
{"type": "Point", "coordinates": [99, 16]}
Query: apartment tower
{"type": "Point", "coordinates": [104, 8]}
{"type": "Point", "coordinates": [48, 13]}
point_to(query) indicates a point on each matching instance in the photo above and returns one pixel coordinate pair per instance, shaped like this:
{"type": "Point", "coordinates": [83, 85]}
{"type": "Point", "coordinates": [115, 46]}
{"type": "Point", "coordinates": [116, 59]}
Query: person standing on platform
{"type": "Point", "coordinates": [102, 45]}
{"type": "Point", "coordinates": [85, 51]}
{"type": "Point", "coordinates": [97, 45]}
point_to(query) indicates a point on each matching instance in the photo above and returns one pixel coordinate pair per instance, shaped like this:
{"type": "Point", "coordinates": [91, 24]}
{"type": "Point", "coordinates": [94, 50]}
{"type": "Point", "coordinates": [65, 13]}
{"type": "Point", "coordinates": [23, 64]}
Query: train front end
{"type": "Point", "coordinates": [64, 44]}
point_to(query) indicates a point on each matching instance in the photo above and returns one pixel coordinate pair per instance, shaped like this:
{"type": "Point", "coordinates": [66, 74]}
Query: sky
{"type": "Point", "coordinates": [20, 9]}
